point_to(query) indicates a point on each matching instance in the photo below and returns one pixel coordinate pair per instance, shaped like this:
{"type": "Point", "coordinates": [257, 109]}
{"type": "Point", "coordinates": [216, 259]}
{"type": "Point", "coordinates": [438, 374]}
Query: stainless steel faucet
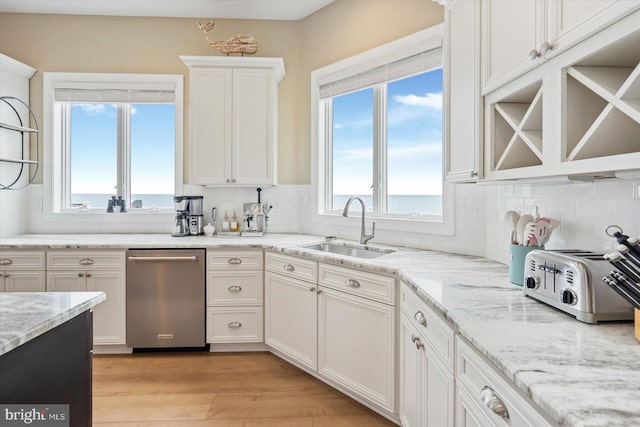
{"type": "Point", "coordinates": [364, 238]}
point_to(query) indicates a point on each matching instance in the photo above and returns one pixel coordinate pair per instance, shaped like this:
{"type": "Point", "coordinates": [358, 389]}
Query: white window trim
{"type": "Point", "coordinates": [411, 45]}
{"type": "Point", "coordinates": [53, 175]}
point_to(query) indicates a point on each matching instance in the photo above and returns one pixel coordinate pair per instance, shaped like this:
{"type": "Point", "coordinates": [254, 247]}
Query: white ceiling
{"type": "Point", "coordinates": [232, 9]}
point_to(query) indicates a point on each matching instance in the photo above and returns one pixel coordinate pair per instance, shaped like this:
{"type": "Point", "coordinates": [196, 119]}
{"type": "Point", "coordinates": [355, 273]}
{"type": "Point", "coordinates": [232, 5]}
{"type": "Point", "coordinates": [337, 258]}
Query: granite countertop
{"type": "Point", "coordinates": [27, 315]}
{"type": "Point", "coordinates": [579, 374]}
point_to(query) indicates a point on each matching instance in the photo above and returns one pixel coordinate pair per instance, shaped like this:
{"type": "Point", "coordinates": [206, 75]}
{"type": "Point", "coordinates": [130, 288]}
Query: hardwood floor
{"type": "Point", "coordinates": [217, 390]}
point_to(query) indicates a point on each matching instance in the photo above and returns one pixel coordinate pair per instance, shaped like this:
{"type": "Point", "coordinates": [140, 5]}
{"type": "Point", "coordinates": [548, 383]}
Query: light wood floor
{"type": "Point", "coordinates": [217, 389]}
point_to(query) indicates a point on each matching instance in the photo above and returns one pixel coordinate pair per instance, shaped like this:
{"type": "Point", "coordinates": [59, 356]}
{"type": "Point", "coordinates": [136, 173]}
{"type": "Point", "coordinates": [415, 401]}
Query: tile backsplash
{"type": "Point", "coordinates": [584, 210]}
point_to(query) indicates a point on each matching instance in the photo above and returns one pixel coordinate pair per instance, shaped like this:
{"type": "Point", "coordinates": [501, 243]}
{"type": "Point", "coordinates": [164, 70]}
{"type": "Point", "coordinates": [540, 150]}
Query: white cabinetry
{"type": "Point", "coordinates": [521, 34]}
{"type": "Point", "coordinates": [577, 114]}
{"type": "Point", "coordinates": [426, 365]}
{"type": "Point", "coordinates": [234, 297]}
{"type": "Point", "coordinates": [485, 398]}
{"type": "Point", "coordinates": [104, 271]}
{"type": "Point", "coordinates": [22, 271]}
{"type": "Point", "coordinates": [233, 119]}
{"type": "Point", "coordinates": [463, 131]}
{"type": "Point", "coordinates": [291, 308]}
{"type": "Point", "coordinates": [336, 322]}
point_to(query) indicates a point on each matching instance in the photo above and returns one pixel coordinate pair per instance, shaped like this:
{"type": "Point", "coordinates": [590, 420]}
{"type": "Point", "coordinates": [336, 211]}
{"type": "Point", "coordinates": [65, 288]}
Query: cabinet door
{"type": "Point", "coordinates": [291, 318]}
{"type": "Point", "coordinates": [253, 127]}
{"type": "Point", "coordinates": [438, 392]}
{"type": "Point", "coordinates": [356, 342]}
{"type": "Point", "coordinates": [467, 413]}
{"type": "Point", "coordinates": [210, 127]}
{"type": "Point", "coordinates": [464, 107]}
{"type": "Point", "coordinates": [109, 324]}
{"type": "Point", "coordinates": [570, 21]}
{"type": "Point", "coordinates": [66, 281]}
{"type": "Point", "coordinates": [411, 378]}
{"type": "Point", "coordinates": [511, 30]}
{"type": "Point", "coordinates": [24, 281]}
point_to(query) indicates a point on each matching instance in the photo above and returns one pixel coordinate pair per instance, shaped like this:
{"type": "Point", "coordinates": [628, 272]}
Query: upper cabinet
{"type": "Point", "coordinates": [578, 114]}
{"type": "Point", "coordinates": [233, 119]}
{"type": "Point", "coordinates": [520, 35]}
{"type": "Point", "coordinates": [463, 105]}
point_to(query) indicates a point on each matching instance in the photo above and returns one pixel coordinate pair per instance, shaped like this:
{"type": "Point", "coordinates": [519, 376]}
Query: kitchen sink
{"type": "Point", "coordinates": [350, 250]}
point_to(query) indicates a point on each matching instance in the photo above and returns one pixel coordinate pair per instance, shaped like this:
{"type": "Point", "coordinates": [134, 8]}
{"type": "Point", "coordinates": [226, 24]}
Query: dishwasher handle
{"type": "Point", "coordinates": [163, 258]}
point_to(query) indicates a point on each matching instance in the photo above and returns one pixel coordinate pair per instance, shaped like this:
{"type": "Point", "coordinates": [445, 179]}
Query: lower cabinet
{"type": "Point", "coordinates": [316, 316]}
{"type": "Point", "coordinates": [426, 382]}
{"type": "Point", "coordinates": [22, 271]}
{"type": "Point", "coordinates": [487, 399]}
{"type": "Point", "coordinates": [95, 271]}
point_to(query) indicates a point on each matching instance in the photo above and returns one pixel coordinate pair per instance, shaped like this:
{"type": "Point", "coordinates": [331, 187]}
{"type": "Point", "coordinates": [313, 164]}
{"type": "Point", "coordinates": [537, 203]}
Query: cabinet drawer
{"type": "Point", "coordinates": [478, 378]}
{"type": "Point", "coordinates": [74, 260]}
{"type": "Point", "coordinates": [436, 332]}
{"type": "Point", "coordinates": [373, 286]}
{"type": "Point", "coordinates": [19, 260]}
{"type": "Point", "coordinates": [298, 268]}
{"type": "Point", "coordinates": [234, 259]}
{"type": "Point", "coordinates": [234, 324]}
{"type": "Point", "coordinates": [234, 287]}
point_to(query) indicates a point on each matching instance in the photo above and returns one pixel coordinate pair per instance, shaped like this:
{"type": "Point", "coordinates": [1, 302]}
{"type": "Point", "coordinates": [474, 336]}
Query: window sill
{"type": "Point", "coordinates": [442, 227]}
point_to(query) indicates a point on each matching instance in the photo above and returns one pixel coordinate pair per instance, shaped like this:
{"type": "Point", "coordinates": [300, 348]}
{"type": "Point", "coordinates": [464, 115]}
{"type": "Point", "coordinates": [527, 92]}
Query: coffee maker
{"type": "Point", "coordinates": [188, 220]}
{"type": "Point", "coordinates": [254, 219]}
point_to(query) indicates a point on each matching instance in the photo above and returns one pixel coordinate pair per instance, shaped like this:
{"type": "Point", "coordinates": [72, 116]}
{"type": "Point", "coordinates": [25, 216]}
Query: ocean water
{"type": "Point", "coordinates": [148, 200]}
{"type": "Point", "coordinates": [416, 204]}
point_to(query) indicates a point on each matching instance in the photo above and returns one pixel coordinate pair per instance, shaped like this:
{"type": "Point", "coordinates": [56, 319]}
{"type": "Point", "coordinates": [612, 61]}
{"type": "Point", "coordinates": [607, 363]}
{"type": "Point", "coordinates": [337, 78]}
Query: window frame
{"type": "Point", "coordinates": [56, 156]}
{"type": "Point", "coordinates": [321, 151]}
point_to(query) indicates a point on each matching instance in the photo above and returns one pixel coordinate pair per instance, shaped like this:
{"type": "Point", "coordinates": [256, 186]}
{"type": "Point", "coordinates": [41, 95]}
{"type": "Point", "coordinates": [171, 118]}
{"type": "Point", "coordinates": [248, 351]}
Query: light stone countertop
{"type": "Point", "coordinates": [27, 315]}
{"type": "Point", "coordinates": [579, 374]}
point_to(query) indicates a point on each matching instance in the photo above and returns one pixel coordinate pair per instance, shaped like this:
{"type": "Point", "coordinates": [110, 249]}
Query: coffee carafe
{"type": "Point", "coordinates": [181, 220]}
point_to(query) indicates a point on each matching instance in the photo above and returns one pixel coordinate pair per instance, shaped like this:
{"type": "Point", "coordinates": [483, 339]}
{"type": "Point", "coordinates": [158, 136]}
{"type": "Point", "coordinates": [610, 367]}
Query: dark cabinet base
{"type": "Point", "coordinates": [54, 368]}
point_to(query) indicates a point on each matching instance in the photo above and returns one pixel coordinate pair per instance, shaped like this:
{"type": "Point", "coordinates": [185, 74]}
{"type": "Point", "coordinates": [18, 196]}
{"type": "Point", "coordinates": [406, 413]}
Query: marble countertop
{"type": "Point", "coordinates": [27, 315]}
{"type": "Point", "coordinates": [579, 374]}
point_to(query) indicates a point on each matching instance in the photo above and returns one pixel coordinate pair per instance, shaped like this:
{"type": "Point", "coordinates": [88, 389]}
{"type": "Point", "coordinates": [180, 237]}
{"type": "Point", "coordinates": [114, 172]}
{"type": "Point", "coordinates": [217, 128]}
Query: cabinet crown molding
{"type": "Point", "coordinates": [8, 63]}
{"type": "Point", "coordinates": [204, 62]}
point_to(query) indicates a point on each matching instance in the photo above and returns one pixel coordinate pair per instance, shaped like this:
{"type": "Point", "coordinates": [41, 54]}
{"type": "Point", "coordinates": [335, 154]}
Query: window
{"type": "Point", "coordinates": [114, 135]}
{"type": "Point", "coordinates": [380, 131]}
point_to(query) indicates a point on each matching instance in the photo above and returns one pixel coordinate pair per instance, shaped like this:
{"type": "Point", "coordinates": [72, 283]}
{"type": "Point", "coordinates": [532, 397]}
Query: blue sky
{"type": "Point", "coordinates": [94, 148]}
{"type": "Point", "coordinates": [414, 134]}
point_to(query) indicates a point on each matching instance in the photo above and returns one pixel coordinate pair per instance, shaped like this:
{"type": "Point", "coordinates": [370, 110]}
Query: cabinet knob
{"type": "Point", "coordinates": [6, 261]}
{"type": "Point", "coordinates": [546, 48]}
{"type": "Point", "coordinates": [319, 291]}
{"type": "Point", "coordinates": [313, 288]}
{"type": "Point", "coordinates": [352, 282]}
{"type": "Point", "coordinates": [534, 54]}
{"type": "Point", "coordinates": [234, 325]}
{"type": "Point", "coordinates": [288, 267]}
{"type": "Point", "coordinates": [234, 288]}
{"type": "Point", "coordinates": [80, 274]}
{"type": "Point", "coordinates": [228, 180]}
{"type": "Point", "coordinates": [88, 275]}
{"type": "Point", "coordinates": [5, 275]}
{"type": "Point", "coordinates": [233, 180]}
{"type": "Point", "coordinates": [491, 399]}
{"type": "Point", "coordinates": [419, 316]}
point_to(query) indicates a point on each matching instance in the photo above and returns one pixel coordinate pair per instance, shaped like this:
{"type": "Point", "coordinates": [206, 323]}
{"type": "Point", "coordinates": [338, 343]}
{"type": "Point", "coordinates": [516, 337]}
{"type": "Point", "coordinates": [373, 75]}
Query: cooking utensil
{"type": "Point", "coordinates": [623, 265]}
{"type": "Point", "coordinates": [520, 226]}
{"type": "Point", "coordinates": [511, 219]}
{"type": "Point", "coordinates": [633, 243]}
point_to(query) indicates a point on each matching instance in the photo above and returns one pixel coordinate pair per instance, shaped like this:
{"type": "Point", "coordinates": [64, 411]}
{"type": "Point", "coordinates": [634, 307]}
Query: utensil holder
{"type": "Point", "coordinates": [516, 266]}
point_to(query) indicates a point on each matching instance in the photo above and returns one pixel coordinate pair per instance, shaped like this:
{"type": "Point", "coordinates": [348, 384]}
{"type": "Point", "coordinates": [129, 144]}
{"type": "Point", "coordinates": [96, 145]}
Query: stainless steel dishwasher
{"type": "Point", "coordinates": [165, 298]}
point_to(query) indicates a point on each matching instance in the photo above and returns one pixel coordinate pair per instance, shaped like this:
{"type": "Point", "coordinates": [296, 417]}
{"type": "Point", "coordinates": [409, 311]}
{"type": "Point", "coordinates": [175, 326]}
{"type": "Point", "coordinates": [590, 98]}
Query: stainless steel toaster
{"type": "Point", "coordinates": [571, 281]}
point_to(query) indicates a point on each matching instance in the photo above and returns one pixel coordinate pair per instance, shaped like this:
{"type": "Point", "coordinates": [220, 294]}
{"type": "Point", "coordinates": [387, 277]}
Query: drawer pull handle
{"type": "Point", "coordinates": [352, 282]}
{"type": "Point", "coordinates": [6, 261]}
{"type": "Point", "coordinates": [234, 288]}
{"type": "Point", "coordinates": [86, 261]}
{"type": "Point", "coordinates": [491, 399]}
{"type": "Point", "coordinates": [234, 261]}
{"type": "Point", "coordinates": [234, 325]}
{"type": "Point", "coordinates": [288, 267]}
{"type": "Point", "coordinates": [419, 316]}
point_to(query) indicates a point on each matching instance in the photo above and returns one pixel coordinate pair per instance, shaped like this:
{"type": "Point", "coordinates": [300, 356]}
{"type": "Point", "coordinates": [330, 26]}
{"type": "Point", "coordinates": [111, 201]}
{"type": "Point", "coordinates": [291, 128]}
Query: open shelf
{"type": "Point", "coordinates": [517, 136]}
{"type": "Point", "coordinates": [603, 103]}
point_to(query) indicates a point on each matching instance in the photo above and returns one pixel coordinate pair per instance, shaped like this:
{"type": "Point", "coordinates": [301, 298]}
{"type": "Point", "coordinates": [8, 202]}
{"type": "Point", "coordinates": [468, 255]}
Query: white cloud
{"type": "Point", "coordinates": [97, 109]}
{"type": "Point", "coordinates": [355, 124]}
{"type": "Point", "coordinates": [430, 100]}
{"type": "Point", "coordinates": [134, 110]}
{"type": "Point", "coordinates": [355, 154]}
